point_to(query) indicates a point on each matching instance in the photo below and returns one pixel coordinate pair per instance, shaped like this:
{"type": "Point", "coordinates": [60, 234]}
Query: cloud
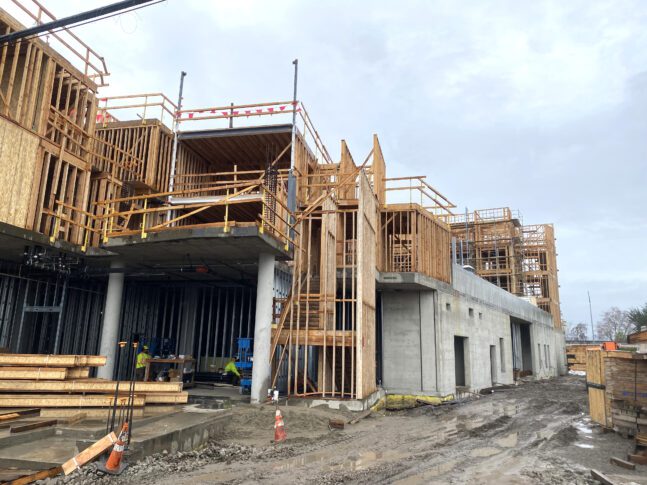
{"type": "Point", "coordinates": [541, 106]}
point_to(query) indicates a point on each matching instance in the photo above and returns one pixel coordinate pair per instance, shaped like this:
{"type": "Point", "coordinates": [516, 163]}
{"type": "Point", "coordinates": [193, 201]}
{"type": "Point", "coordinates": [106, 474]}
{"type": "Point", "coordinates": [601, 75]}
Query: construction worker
{"type": "Point", "coordinates": [140, 368]}
{"type": "Point", "coordinates": [232, 371]}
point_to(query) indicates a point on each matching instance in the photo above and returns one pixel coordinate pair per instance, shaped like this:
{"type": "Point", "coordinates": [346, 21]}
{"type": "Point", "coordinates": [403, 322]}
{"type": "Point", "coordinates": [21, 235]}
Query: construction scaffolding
{"type": "Point", "coordinates": [520, 259]}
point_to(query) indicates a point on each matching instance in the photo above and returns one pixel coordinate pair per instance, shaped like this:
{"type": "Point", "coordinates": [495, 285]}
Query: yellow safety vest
{"type": "Point", "coordinates": [141, 359]}
{"type": "Point", "coordinates": [231, 368]}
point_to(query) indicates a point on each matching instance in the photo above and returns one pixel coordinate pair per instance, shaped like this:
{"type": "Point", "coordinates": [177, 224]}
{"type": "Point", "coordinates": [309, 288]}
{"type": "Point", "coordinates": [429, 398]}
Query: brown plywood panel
{"type": "Point", "coordinates": [18, 162]}
{"type": "Point", "coordinates": [366, 274]}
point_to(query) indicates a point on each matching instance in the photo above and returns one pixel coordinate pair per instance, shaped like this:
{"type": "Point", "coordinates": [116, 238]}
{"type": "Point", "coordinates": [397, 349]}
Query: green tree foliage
{"type": "Point", "coordinates": [638, 317]}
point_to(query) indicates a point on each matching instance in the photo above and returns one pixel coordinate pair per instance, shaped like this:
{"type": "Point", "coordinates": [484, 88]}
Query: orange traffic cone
{"type": "Point", "coordinates": [113, 465]}
{"type": "Point", "coordinates": [279, 428]}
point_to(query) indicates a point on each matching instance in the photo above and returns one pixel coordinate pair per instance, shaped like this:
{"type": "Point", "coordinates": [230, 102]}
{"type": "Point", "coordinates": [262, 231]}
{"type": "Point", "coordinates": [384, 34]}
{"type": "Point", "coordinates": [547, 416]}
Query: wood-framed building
{"type": "Point", "coordinates": [184, 202]}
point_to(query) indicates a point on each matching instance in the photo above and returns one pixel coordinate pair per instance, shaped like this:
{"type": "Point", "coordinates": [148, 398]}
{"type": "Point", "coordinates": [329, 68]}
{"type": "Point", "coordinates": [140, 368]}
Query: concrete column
{"type": "Point", "coordinates": [263, 328]}
{"type": "Point", "coordinates": [111, 314]}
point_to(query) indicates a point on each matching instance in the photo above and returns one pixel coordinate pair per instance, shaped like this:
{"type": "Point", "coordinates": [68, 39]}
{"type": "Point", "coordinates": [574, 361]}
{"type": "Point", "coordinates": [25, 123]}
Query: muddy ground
{"type": "Point", "coordinates": [533, 433]}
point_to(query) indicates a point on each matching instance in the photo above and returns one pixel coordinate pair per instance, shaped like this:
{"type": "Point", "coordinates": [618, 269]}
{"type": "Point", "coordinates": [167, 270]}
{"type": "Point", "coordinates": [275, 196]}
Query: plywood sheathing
{"type": "Point", "coordinates": [366, 275]}
{"type": "Point", "coordinates": [18, 169]}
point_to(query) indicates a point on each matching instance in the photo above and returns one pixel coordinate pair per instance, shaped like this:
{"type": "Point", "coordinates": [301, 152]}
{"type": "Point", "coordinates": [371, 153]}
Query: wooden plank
{"type": "Point", "coordinates": [78, 372]}
{"type": "Point", "coordinates": [19, 414]}
{"type": "Point", "coordinates": [89, 453]}
{"type": "Point", "coordinates": [34, 477]}
{"type": "Point", "coordinates": [163, 398]}
{"type": "Point", "coordinates": [600, 477]}
{"type": "Point", "coordinates": [622, 463]}
{"type": "Point", "coordinates": [86, 385]}
{"type": "Point", "coordinates": [44, 360]}
{"type": "Point", "coordinates": [9, 417]}
{"type": "Point", "coordinates": [30, 426]}
{"type": "Point", "coordinates": [338, 338]}
{"type": "Point", "coordinates": [35, 373]}
{"type": "Point", "coordinates": [637, 459]}
{"type": "Point", "coordinates": [63, 401]}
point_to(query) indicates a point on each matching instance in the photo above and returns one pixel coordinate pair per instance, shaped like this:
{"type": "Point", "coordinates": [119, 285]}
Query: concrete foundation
{"type": "Point", "coordinates": [354, 405]}
{"type": "Point", "coordinates": [437, 337]}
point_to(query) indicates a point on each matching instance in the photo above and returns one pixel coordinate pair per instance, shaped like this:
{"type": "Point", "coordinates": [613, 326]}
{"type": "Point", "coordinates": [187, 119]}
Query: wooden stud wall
{"type": "Point", "coordinates": [412, 240]}
{"type": "Point", "coordinates": [306, 171]}
{"type": "Point", "coordinates": [539, 271]}
{"type": "Point", "coordinates": [520, 259]}
{"type": "Point", "coordinates": [141, 152]}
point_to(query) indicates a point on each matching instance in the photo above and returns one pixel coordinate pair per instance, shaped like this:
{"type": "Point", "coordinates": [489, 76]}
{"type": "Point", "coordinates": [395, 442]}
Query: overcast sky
{"type": "Point", "coordinates": [536, 105]}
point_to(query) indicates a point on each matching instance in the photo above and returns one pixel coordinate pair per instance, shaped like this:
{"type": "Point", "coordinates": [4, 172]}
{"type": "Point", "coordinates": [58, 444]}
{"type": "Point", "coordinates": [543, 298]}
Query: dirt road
{"type": "Point", "coordinates": [534, 433]}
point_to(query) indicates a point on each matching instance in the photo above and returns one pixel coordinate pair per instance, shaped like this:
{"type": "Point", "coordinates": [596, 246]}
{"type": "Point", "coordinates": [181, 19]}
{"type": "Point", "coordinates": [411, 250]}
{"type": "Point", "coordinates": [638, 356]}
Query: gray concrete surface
{"type": "Point", "coordinates": [261, 371]}
{"type": "Point", "coordinates": [421, 318]}
{"type": "Point", "coordinates": [111, 317]}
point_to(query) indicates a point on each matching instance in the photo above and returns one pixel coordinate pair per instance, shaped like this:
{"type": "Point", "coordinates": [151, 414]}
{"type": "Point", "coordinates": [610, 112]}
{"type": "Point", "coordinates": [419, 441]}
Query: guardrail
{"type": "Point", "coordinates": [144, 214]}
{"type": "Point", "coordinates": [94, 65]}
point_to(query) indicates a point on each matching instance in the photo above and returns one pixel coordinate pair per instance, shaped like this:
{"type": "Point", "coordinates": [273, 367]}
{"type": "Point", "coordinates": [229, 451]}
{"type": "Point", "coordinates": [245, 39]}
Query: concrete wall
{"type": "Point", "coordinates": [484, 326]}
{"type": "Point", "coordinates": [421, 317]}
{"type": "Point", "coordinates": [410, 351]}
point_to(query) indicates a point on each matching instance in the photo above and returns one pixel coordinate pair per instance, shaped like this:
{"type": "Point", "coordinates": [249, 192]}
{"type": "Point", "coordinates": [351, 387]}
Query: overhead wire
{"type": "Point", "coordinates": [90, 21]}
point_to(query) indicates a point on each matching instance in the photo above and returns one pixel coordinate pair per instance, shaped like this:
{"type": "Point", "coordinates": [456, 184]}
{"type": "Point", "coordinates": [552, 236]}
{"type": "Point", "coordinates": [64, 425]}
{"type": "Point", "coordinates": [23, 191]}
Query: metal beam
{"type": "Point", "coordinates": [69, 21]}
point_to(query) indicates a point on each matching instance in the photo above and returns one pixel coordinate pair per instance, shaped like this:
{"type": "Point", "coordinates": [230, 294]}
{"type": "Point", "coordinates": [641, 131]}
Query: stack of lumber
{"type": "Point", "coordinates": [626, 376]}
{"type": "Point", "coordinates": [628, 419]}
{"type": "Point", "coordinates": [626, 391]}
{"type": "Point", "coordinates": [576, 356]}
{"type": "Point", "coordinates": [61, 381]}
{"type": "Point", "coordinates": [637, 338]}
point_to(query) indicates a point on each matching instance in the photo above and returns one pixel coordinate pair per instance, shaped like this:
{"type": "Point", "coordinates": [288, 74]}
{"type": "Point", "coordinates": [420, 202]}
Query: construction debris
{"type": "Point", "coordinates": [336, 423]}
{"type": "Point", "coordinates": [622, 463]}
{"type": "Point", "coordinates": [89, 453]}
{"type": "Point", "coordinates": [602, 478]}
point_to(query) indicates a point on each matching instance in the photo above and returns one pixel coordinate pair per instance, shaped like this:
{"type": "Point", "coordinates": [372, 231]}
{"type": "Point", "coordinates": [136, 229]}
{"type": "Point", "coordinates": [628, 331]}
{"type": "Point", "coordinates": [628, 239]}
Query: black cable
{"type": "Point", "coordinates": [60, 29]}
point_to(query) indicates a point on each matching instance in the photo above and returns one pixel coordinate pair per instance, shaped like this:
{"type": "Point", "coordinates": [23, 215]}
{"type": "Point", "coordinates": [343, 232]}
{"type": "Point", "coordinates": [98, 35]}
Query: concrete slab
{"type": "Point", "coordinates": [205, 245]}
{"type": "Point", "coordinates": [184, 429]}
{"type": "Point", "coordinates": [14, 239]}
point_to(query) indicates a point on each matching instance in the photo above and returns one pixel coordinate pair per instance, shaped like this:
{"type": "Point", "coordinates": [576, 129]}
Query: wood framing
{"type": "Point", "coordinates": [413, 240]}
{"type": "Point", "coordinates": [46, 360]}
{"type": "Point", "coordinates": [64, 401]}
{"type": "Point", "coordinates": [521, 259]}
{"type": "Point", "coordinates": [366, 274]}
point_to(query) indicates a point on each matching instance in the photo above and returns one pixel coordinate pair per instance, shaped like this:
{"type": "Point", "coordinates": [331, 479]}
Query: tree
{"type": "Point", "coordinates": [638, 317]}
{"type": "Point", "coordinates": [578, 332]}
{"type": "Point", "coordinates": [615, 325]}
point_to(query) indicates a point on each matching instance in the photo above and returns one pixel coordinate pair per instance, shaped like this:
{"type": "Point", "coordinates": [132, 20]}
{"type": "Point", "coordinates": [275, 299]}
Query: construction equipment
{"type": "Point", "coordinates": [245, 364]}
